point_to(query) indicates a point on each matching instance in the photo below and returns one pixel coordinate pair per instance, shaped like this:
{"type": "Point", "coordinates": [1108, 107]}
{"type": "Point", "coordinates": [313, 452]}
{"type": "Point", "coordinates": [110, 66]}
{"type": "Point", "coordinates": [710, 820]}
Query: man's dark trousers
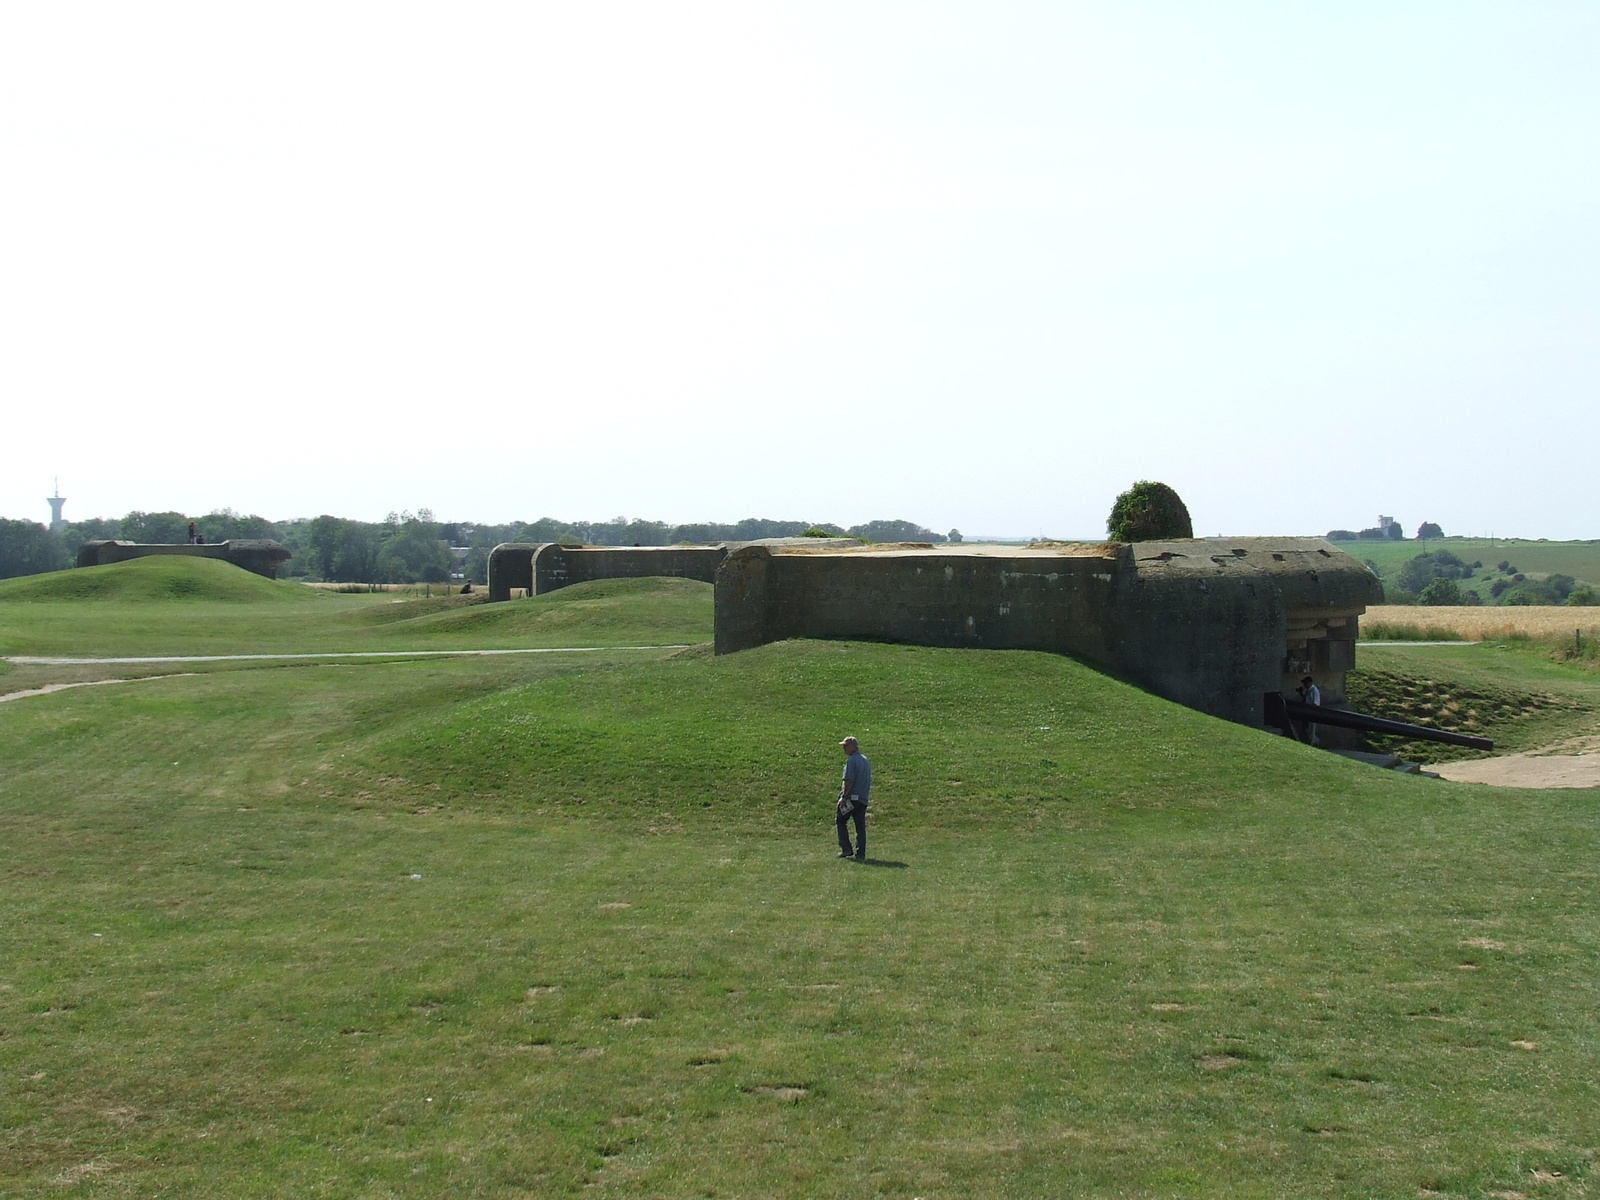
{"type": "Point", "coordinates": [842, 823]}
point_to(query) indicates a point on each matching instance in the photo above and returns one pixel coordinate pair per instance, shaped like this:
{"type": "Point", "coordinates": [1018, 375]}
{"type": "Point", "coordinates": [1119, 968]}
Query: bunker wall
{"type": "Point", "coordinates": [1208, 624]}
{"type": "Point", "coordinates": [260, 556]}
{"type": "Point", "coordinates": [511, 566]}
{"type": "Point", "coordinates": [1061, 604]}
{"type": "Point", "coordinates": [1211, 644]}
{"type": "Point", "coordinates": [556, 566]}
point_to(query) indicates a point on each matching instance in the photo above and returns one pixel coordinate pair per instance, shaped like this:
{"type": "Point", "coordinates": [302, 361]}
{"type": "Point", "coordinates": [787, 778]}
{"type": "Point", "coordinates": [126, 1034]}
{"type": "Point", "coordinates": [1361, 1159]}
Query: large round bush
{"type": "Point", "coordinates": [1149, 512]}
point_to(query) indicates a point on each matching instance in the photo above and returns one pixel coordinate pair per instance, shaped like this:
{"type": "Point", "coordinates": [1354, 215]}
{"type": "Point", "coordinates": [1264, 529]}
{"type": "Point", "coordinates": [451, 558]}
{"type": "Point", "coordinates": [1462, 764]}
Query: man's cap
{"type": "Point", "coordinates": [848, 740]}
{"type": "Point", "coordinates": [1306, 679]}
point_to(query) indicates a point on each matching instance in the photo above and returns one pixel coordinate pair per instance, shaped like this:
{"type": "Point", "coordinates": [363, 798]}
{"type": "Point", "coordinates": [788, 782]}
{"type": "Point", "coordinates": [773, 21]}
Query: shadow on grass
{"type": "Point", "coordinates": [884, 862]}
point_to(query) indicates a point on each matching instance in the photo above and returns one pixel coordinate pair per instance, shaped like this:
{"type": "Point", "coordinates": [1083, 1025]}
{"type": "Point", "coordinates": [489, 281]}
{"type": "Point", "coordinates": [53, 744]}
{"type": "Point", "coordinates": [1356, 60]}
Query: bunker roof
{"type": "Point", "coordinates": [1309, 573]}
{"type": "Point", "coordinates": [839, 546]}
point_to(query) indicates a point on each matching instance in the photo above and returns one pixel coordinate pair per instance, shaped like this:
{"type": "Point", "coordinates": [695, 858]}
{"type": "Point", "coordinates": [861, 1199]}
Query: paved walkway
{"type": "Point", "coordinates": [27, 660]}
{"type": "Point", "coordinates": [1386, 642]}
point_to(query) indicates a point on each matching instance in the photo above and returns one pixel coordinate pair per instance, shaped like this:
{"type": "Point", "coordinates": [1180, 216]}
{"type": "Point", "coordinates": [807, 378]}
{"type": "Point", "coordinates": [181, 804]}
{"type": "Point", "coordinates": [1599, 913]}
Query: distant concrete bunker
{"type": "Point", "coordinates": [538, 568]}
{"type": "Point", "coordinates": [1212, 623]}
{"type": "Point", "coordinates": [262, 556]}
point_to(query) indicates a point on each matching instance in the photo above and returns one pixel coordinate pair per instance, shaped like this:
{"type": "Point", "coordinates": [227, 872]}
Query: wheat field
{"type": "Point", "coordinates": [1472, 623]}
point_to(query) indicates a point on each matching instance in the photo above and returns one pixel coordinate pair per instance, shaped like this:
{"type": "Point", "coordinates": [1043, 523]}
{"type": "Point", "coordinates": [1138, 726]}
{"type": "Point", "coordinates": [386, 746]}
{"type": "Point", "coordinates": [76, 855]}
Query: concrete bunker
{"type": "Point", "coordinates": [540, 567]}
{"type": "Point", "coordinates": [262, 556]}
{"type": "Point", "coordinates": [1212, 623]}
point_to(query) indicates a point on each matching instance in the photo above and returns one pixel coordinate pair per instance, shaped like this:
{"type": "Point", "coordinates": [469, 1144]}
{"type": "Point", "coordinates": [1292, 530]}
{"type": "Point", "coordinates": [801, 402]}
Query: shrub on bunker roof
{"type": "Point", "coordinates": [1149, 512]}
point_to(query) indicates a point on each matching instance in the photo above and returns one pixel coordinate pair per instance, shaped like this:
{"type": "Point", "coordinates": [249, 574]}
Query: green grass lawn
{"type": "Point", "coordinates": [531, 926]}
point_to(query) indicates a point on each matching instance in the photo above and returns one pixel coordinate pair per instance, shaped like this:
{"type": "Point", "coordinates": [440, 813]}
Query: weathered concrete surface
{"type": "Point", "coordinates": [511, 566]}
{"type": "Point", "coordinates": [263, 556]}
{"type": "Point", "coordinates": [1209, 623]}
{"type": "Point", "coordinates": [547, 566]}
{"type": "Point", "coordinates": [557, 566]}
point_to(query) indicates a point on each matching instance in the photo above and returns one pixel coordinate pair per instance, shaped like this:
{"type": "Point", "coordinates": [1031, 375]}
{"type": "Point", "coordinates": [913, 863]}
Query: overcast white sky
{"type": "Point", "coordinates": [974, 265]}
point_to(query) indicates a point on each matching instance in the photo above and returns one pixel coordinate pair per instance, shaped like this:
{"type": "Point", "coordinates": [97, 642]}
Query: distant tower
{"type": "Point", "coordinates": [55, 503]}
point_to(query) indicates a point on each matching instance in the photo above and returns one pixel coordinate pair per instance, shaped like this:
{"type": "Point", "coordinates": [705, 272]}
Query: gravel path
{"type": "Point", "coordinates": [1573, 764]}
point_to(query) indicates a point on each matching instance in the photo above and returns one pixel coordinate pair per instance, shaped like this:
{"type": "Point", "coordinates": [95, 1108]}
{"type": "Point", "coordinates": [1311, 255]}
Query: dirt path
{"type": "Point", "coordinates": [1570, 764]}
{"type": "Point", "coordinates": [61, 687]}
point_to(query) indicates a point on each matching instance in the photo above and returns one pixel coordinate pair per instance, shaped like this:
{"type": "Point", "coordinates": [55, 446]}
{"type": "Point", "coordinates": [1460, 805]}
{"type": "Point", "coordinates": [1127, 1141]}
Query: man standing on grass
{"type": "Point", "coordinates": [853, 800]}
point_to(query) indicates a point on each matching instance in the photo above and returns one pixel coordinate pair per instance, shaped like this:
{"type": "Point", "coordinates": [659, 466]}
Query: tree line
{"type": "Point", "coordinates": [405, 547]}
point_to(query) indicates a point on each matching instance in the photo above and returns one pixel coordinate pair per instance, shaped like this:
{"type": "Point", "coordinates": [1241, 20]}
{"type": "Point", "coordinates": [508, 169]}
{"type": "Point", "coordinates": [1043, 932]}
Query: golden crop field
{"type": "Point", "coordinates": [1473, 623]}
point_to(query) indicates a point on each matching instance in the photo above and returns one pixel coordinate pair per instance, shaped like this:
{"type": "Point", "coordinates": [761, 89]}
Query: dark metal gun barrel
{"type": "Point", "coordinates": [1316, 714]}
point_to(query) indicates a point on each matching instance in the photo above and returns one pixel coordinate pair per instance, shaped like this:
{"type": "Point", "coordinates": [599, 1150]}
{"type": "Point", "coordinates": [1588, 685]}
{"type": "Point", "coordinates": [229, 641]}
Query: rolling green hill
{"type": "Point", "coordinates": [159, 579]}
{"type": "Point", "coordinates": [135, 614]}
{"type": "Point", "coordinates": [766, 722]}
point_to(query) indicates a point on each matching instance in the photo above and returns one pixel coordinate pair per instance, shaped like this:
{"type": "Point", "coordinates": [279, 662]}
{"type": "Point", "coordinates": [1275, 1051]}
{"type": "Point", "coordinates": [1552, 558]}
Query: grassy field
{"type": "Point", "coordinates": [1581, 560]}
{"type": "Point", "coordinates": [532, 926]}
{"type": "Point", "coordinates": [156, 606]}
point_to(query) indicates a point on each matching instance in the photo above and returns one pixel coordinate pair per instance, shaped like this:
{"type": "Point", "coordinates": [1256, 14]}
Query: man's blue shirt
{"type": "Point", "coordinates": [857, 776]}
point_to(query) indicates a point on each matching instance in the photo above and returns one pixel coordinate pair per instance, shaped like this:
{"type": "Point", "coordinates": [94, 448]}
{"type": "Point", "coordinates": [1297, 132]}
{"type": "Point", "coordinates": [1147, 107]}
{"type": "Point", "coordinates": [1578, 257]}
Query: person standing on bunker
{"type": "Point", "coordinates": [853, 793]}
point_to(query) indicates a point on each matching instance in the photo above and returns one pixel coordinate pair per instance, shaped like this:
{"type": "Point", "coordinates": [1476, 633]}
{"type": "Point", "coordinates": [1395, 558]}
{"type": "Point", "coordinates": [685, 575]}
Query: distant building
{"type": "Point", "coordinates": [55, 502]}
{"type": "Point", "coordinates": [1386, 530]}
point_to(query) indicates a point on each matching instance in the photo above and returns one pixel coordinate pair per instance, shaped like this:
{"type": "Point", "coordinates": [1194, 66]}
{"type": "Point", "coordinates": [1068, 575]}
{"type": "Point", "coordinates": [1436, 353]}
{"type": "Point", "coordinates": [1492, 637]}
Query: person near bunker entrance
{"type": "Point", "coordinates": [853, 793]}
{"type": "Point", "coordinates": [1311, 694]}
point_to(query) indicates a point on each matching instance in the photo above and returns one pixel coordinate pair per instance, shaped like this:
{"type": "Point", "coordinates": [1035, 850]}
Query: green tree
{"type": "Point", "coordinates": [28, 548]}
{"type": "Point", "coordinates": [414, 553]}
{"type": "Point", "coordinates": [356, 560]}
{"type": "Point", "coordinates": [1149, 512]}
{"type": "Point", "coordinates": [159, 528]}
{"type": "Point", "coordinates": [343, 551]}
{"type": "Point", "coordinates": [1422, 570]}
{"type": "Point", "coordinates": [323, 540]}
{"type": "Point", "coordinates": [894, 531]}
{"type": "Point", "coordinates": [1441, 591]}
{"type": "Point", "coordinates": [95, 529]}
{"type": "Point", "coordinates": [225, 525]}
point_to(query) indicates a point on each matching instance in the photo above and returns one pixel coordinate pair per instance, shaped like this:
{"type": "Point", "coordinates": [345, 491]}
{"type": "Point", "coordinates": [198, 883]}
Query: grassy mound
{"type": "Point", "coordinates": [996, 736]}
{"type": "Point", "coordinates": [1514, 716]}
{"type": "Point", "coordinates": [153, 579]}
{"type": "Point", "coordinates": [651, 611]}
{"type": "Point", "coordinates": [171, 618]}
